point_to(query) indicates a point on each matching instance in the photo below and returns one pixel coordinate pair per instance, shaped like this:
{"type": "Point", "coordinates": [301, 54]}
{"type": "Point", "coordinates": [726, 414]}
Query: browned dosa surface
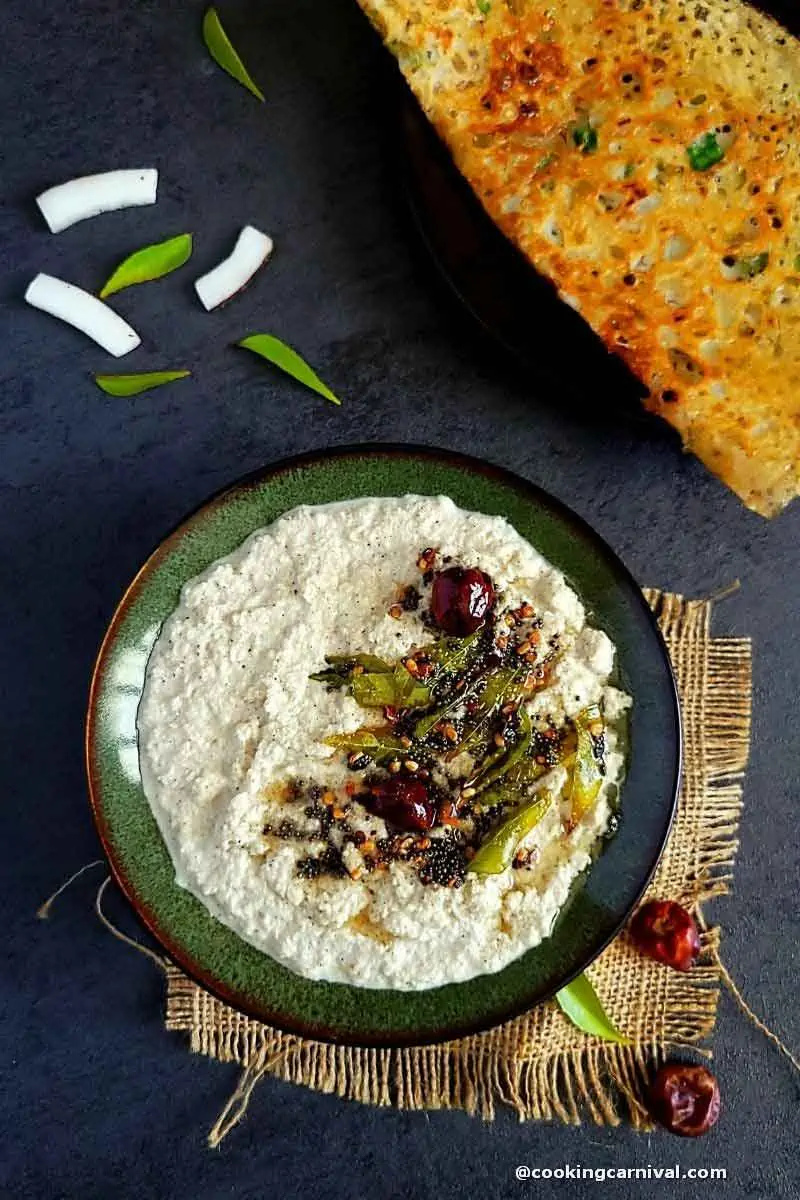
{"type": "Point", "coordinates": [573, 124]}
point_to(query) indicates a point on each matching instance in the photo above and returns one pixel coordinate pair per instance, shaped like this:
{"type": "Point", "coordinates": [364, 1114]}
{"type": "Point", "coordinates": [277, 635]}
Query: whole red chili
{"type": "Point", "coordinates": [461, 600]}
{"type": "Point", "coordinates": [404, 801]}
{"type": "Point", "coordinates": [665, 931]}
{"type": "Point", "coordinates": [685, 1099]}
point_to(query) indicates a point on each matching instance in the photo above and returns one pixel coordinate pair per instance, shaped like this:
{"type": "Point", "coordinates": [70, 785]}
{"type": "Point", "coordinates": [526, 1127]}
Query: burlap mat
{"type": "Point", "coordinates": [539, 1064]}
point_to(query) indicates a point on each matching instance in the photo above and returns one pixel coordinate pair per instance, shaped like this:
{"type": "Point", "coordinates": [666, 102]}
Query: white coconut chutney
{"type": "Point", "coordinates": [229, 716]}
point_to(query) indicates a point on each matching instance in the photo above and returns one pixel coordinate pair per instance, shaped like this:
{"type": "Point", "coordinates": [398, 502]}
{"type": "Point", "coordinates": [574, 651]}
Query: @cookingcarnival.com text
{"type": "Point", "coordinates": [612, 1174]}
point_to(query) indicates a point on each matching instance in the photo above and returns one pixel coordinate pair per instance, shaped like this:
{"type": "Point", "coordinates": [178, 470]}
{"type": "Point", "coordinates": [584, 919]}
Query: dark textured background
{"type": "Point", "coordinates": [97, 1100]}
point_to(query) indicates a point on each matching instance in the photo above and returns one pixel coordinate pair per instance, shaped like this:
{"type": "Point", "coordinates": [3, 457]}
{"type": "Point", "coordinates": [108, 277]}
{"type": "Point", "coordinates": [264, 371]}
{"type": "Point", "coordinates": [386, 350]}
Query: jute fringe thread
{"type": "Point", "coordinates": [539, 1065]}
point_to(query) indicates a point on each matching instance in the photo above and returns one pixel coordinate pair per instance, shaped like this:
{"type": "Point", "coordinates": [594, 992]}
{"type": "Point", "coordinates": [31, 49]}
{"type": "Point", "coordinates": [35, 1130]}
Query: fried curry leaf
{"type": "Point", "coordinates": [379, 745]}
{"type": "Point", "coordinates": [431, 719]}
{"type": "Point", "coordinates": [453, 655]}
{"type": "Point", "coordinates": [286, 359]}
{"type": "Point", "coordinates": [425, 724]}
{"type": "Point", "coordinates": [151, 262]}
{"type": "Point", "coordinates": [398, 690]}
{"type": "Point", "coordinates": [587, 771]}
{"type": "Point", "coordinates": [370, 662]}
{"type": "Point", "coordinates": [705, 152]}
{"type": "Point", "coordinates": [503, 687]}
{"type": "Point", "coordinates": [581, 1004]}
{"type": "Point", "coordinates": [497, 852]}
{"type": "Point", "coordinates": [373, 682]}
{"type": "Point", "coordinates": [340, 668]}
{"type": "Point", "coordinates": [409, 692]}
{"type": "Point", "coordinates": [221, 50]}
{"type": "Point", "coordinates": [516, 782]}
{"type": "Point", "coordinates": [495, 767]}
{"type": "Point", "coordinates": [132, 385]}
{"type": "Point", "coordinates": [500, 687]}
{"type": "Point", "coordinates": [373, 691]}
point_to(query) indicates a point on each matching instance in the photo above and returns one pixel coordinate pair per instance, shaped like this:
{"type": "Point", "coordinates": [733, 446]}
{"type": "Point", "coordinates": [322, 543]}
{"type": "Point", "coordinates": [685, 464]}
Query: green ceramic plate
{"type": "Point", "coordinates": [250, 980]}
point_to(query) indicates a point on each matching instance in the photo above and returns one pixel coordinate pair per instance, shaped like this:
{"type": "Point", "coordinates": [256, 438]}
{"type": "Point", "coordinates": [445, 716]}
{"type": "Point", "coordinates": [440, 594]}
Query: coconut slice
{"type": "Point", "coordinates": [83, 311]}
{"type": "Point", "coordinates": [251, 251]}
{"type": "Point", "coordinates": [91, 195]}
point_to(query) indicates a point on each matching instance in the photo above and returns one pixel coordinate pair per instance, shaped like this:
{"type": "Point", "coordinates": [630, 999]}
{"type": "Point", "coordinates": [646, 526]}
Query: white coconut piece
{"type": "Point", "coordinates": [83, 311]}
{"type": "Point", "coordinates": [251, 251]}
{"type": "Point", "coordinates": [91, 195]}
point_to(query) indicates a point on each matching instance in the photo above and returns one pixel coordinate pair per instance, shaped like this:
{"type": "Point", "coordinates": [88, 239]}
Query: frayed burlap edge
{"type": "Point", "coordinates": [539, 1065]}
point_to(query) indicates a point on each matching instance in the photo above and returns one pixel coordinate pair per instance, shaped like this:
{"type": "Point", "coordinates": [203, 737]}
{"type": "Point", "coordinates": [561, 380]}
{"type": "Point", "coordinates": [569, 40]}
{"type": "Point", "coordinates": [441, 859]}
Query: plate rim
{"type": "Point", "coordinates": [184, 961]}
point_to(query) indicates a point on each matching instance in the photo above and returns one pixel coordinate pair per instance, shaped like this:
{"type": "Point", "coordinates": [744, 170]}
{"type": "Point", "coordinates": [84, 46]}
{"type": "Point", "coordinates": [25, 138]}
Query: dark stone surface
{"type": "Point", "coordinates": [98, 1101]}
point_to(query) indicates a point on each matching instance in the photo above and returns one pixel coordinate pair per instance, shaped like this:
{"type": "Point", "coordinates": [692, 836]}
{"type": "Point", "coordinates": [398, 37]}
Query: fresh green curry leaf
{"type": "Point", "coordinates": [580, 1002]}
{"type": "Point", "coordinates": [132, 385]}
{"type": "Point", "coordinates": [151, 262]}
{"type": "Point", "coordinates": [280, 355]}
{"type": "Point", "coordinates": [221, 50]}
